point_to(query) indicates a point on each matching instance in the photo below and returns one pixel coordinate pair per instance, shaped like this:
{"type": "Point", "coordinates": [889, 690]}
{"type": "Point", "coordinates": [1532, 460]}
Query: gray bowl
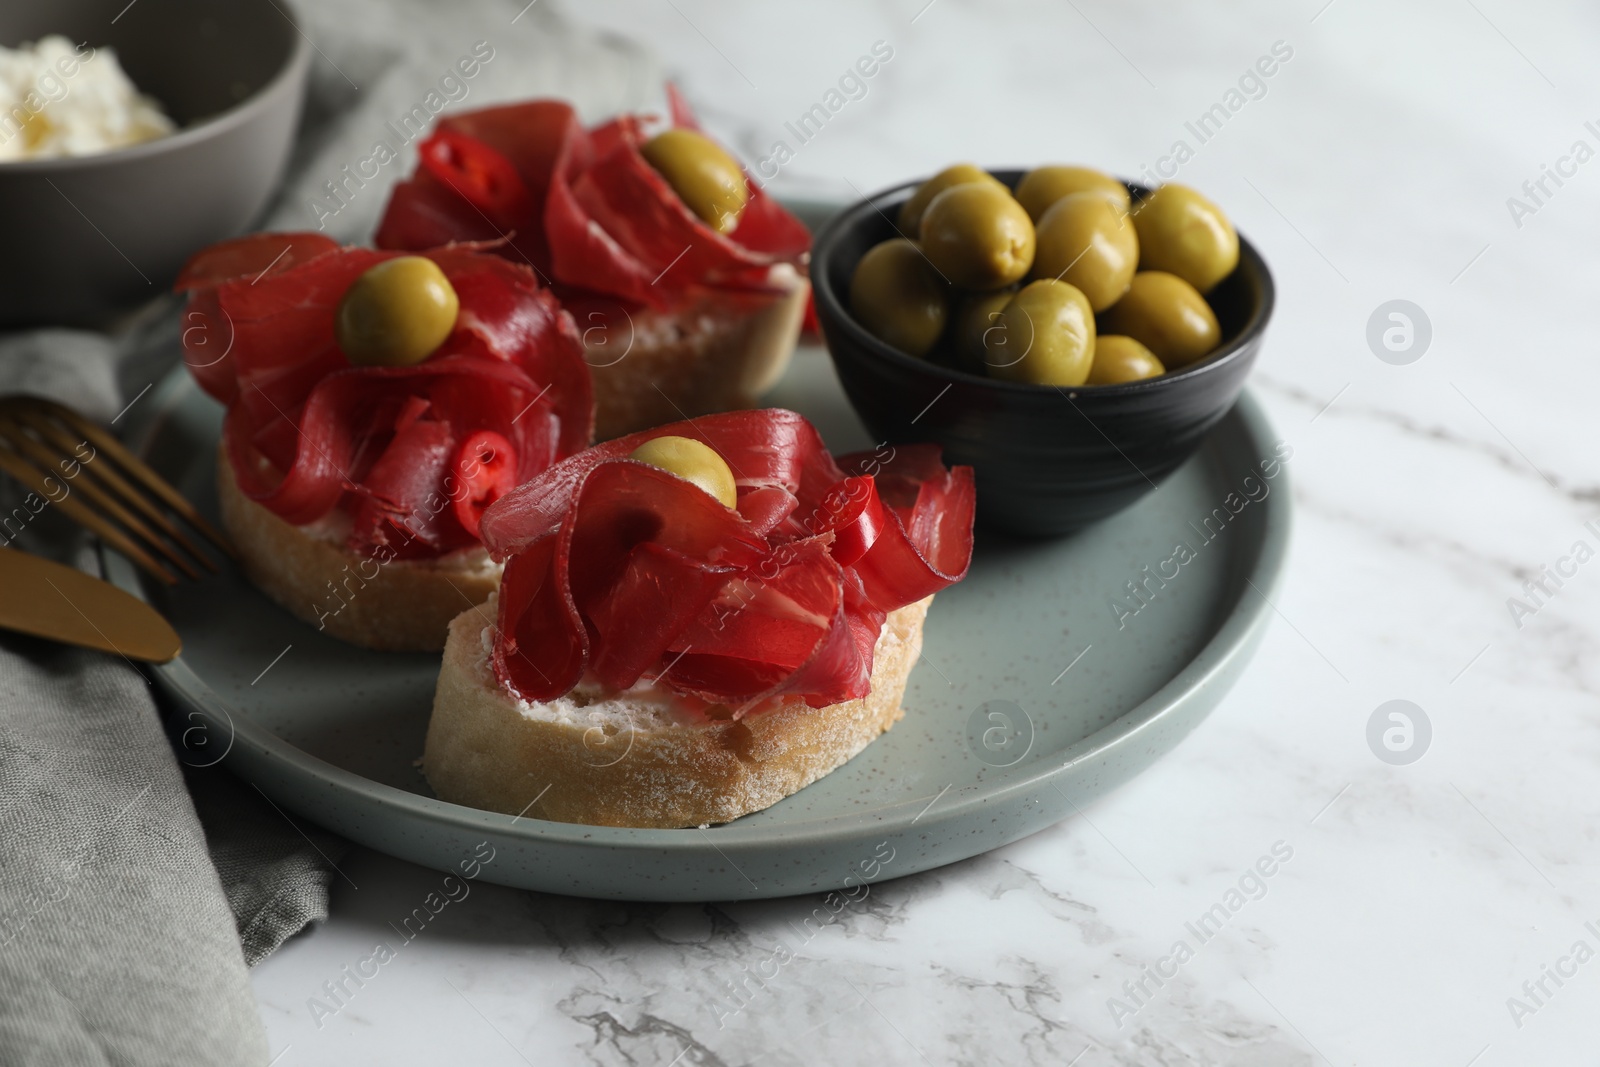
{"type": "Point", "coordinates": [92, 237]}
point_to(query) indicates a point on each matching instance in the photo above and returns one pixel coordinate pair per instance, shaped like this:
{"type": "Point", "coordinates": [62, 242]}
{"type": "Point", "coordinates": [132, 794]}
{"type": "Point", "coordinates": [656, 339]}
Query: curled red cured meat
{"type": "Point", "coordinates": [411, 454]}
{"type": "Point", "coordinates": [619, 571]}
{"type": "Point", "coordinates": [596, 216]}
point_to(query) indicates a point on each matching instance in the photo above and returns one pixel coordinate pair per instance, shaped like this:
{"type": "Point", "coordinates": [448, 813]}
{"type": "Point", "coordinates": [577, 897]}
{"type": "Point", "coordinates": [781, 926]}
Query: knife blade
{"type": "Point", "coordinates": [46, 599]}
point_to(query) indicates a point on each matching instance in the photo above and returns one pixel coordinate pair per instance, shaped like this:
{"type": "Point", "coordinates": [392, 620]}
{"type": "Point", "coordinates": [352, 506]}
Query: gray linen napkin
{"type": "Point", "coordinates": [120, 932]}
{"type": "Point", "coordinates": [276, 881]}
{"type": "Point", "coordinates": [116, 941]}
{"type": "Point", "coordinates": [131, 906]}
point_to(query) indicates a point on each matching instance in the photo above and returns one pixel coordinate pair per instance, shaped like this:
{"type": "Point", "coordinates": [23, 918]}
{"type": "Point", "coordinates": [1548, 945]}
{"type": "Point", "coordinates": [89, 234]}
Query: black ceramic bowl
{"type": "Point", "coordinates": [1048, 460]}
{"type": "Point", "coordinates": [94, 236]}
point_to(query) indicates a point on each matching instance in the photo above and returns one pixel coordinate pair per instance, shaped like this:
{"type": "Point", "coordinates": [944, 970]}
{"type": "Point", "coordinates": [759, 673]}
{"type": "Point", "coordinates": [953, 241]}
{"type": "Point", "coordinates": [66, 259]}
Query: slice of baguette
{"type": "Point", "coordinates": [720, 353]}
{"type": "Point", "coordinates": [638, 758]}
{"type": "Point", "coordinates": [395, 606]}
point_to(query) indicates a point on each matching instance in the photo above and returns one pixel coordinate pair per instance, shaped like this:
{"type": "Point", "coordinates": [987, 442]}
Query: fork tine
{"type": "Point", "coordinates": [107, 475]}
{"type": "Point", "coordinates": [45, 461]}
{"type": "Point", "coordinates": [19, 468]}
{"type": "Point", "coordinates": [133, 465]}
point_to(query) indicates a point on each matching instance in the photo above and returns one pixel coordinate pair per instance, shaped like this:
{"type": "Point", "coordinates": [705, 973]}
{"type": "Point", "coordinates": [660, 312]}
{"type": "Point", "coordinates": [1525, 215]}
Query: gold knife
{"type": "Point", "coordinates": [46, 599]}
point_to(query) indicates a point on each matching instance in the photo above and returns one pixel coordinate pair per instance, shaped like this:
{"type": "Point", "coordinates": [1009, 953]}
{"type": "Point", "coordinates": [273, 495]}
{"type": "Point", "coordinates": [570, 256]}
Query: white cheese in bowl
{"type": "Point", "coordinates": [57, 100]}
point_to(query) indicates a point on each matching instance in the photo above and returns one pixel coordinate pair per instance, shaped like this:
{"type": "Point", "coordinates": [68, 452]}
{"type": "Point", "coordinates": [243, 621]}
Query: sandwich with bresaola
{"type": "Point", "coordinates": [694, 622]}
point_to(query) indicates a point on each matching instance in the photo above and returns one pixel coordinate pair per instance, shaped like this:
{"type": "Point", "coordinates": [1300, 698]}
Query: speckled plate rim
{"type": "Point", "coordinates": [263, 758]}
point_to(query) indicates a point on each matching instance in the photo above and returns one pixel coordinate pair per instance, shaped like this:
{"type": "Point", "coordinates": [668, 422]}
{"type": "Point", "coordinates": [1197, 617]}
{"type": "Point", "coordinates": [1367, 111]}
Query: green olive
{"type": "Point", "coordinates": [705, 177]}
{"type": "Point", "coordinates": [396, 313]}
{"type": "Point", "coordinates": [1085, 241]}
{"type": "Point", "coordinates": [959, 174]}
{"type": "Point", "coordinates": [1043, 186]}
{"type": "Point", "coordinates": [978, 237]}
{"type": "Point", "coordinates": [1046, 336]}
{"type": "Point", "coordinates": [694, 462]}
{"type": "Point", "coordinates": [1119, 359]}
{"type": "Point", "coordinates": [898, 296]}
{"type": "Point", "coordinates": [975, 316]}
{"type": "Point", "coordinates": [1183, 233]}
{"type": "Point", "coordinates": [1167, 315]}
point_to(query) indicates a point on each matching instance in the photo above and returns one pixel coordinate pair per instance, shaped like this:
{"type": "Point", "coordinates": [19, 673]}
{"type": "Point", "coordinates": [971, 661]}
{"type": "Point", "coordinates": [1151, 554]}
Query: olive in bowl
{"type": "Point", "coordinates": [1049, 459]}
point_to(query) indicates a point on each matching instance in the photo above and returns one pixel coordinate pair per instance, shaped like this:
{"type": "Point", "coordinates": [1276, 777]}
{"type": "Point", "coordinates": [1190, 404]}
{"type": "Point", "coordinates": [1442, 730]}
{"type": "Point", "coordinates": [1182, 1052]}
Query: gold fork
{"type": "Point", "coordinates": [68, 462]}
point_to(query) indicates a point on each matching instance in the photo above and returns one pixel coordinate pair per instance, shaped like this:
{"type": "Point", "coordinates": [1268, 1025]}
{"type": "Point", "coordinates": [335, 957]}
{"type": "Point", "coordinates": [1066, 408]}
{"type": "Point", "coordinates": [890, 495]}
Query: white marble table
{"type": "Point", "coordinates": [1376, 164]}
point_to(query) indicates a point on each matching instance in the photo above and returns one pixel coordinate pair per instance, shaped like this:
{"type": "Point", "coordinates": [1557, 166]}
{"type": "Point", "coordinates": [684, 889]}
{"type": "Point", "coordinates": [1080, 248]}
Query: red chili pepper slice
{"type": "Point", "coordinates": [486, 469]}
{"type": "Point", "coordinates": [482, 176]}
{"type": "Point", "coordinates": [856, 515]}
{"type": "Point", "coordinates": [811, 326]}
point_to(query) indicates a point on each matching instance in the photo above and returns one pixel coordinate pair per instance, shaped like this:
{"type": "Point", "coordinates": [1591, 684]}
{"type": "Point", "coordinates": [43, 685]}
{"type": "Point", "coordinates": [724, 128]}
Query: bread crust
{"type": "Point", "coordinates": [485, 752]}
{"type": "Point", "coordinates": [397, 606]}
{"type": "Point", "coordinates": [719, 353]}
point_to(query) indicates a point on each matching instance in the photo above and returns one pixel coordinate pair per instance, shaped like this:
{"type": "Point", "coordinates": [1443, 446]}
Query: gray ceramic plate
{"type": "Point", "coordinates": [1033, 695]}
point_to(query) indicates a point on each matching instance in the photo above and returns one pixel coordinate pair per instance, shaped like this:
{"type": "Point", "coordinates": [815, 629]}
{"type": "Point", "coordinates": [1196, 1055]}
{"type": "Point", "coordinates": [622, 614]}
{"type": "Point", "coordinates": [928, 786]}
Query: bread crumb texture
{"type": "Point", "coordinates": [394, 606]}
{"type": "Point", "coordinates": [639, 758]}
{"type": "Point", "coordinates": [720, 353]}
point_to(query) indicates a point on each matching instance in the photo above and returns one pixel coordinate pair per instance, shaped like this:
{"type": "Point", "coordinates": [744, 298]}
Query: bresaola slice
{"type": "Point", "coordinates": [308, 432]}
{"type": "Point", "coordinates": [252, 256]}
{"type": "Point", "coordinates": [767, 449]}
{"type": "Point", "coordinates": [622, 572]}
{"type": "Point", "coordinates": [599, 218]}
